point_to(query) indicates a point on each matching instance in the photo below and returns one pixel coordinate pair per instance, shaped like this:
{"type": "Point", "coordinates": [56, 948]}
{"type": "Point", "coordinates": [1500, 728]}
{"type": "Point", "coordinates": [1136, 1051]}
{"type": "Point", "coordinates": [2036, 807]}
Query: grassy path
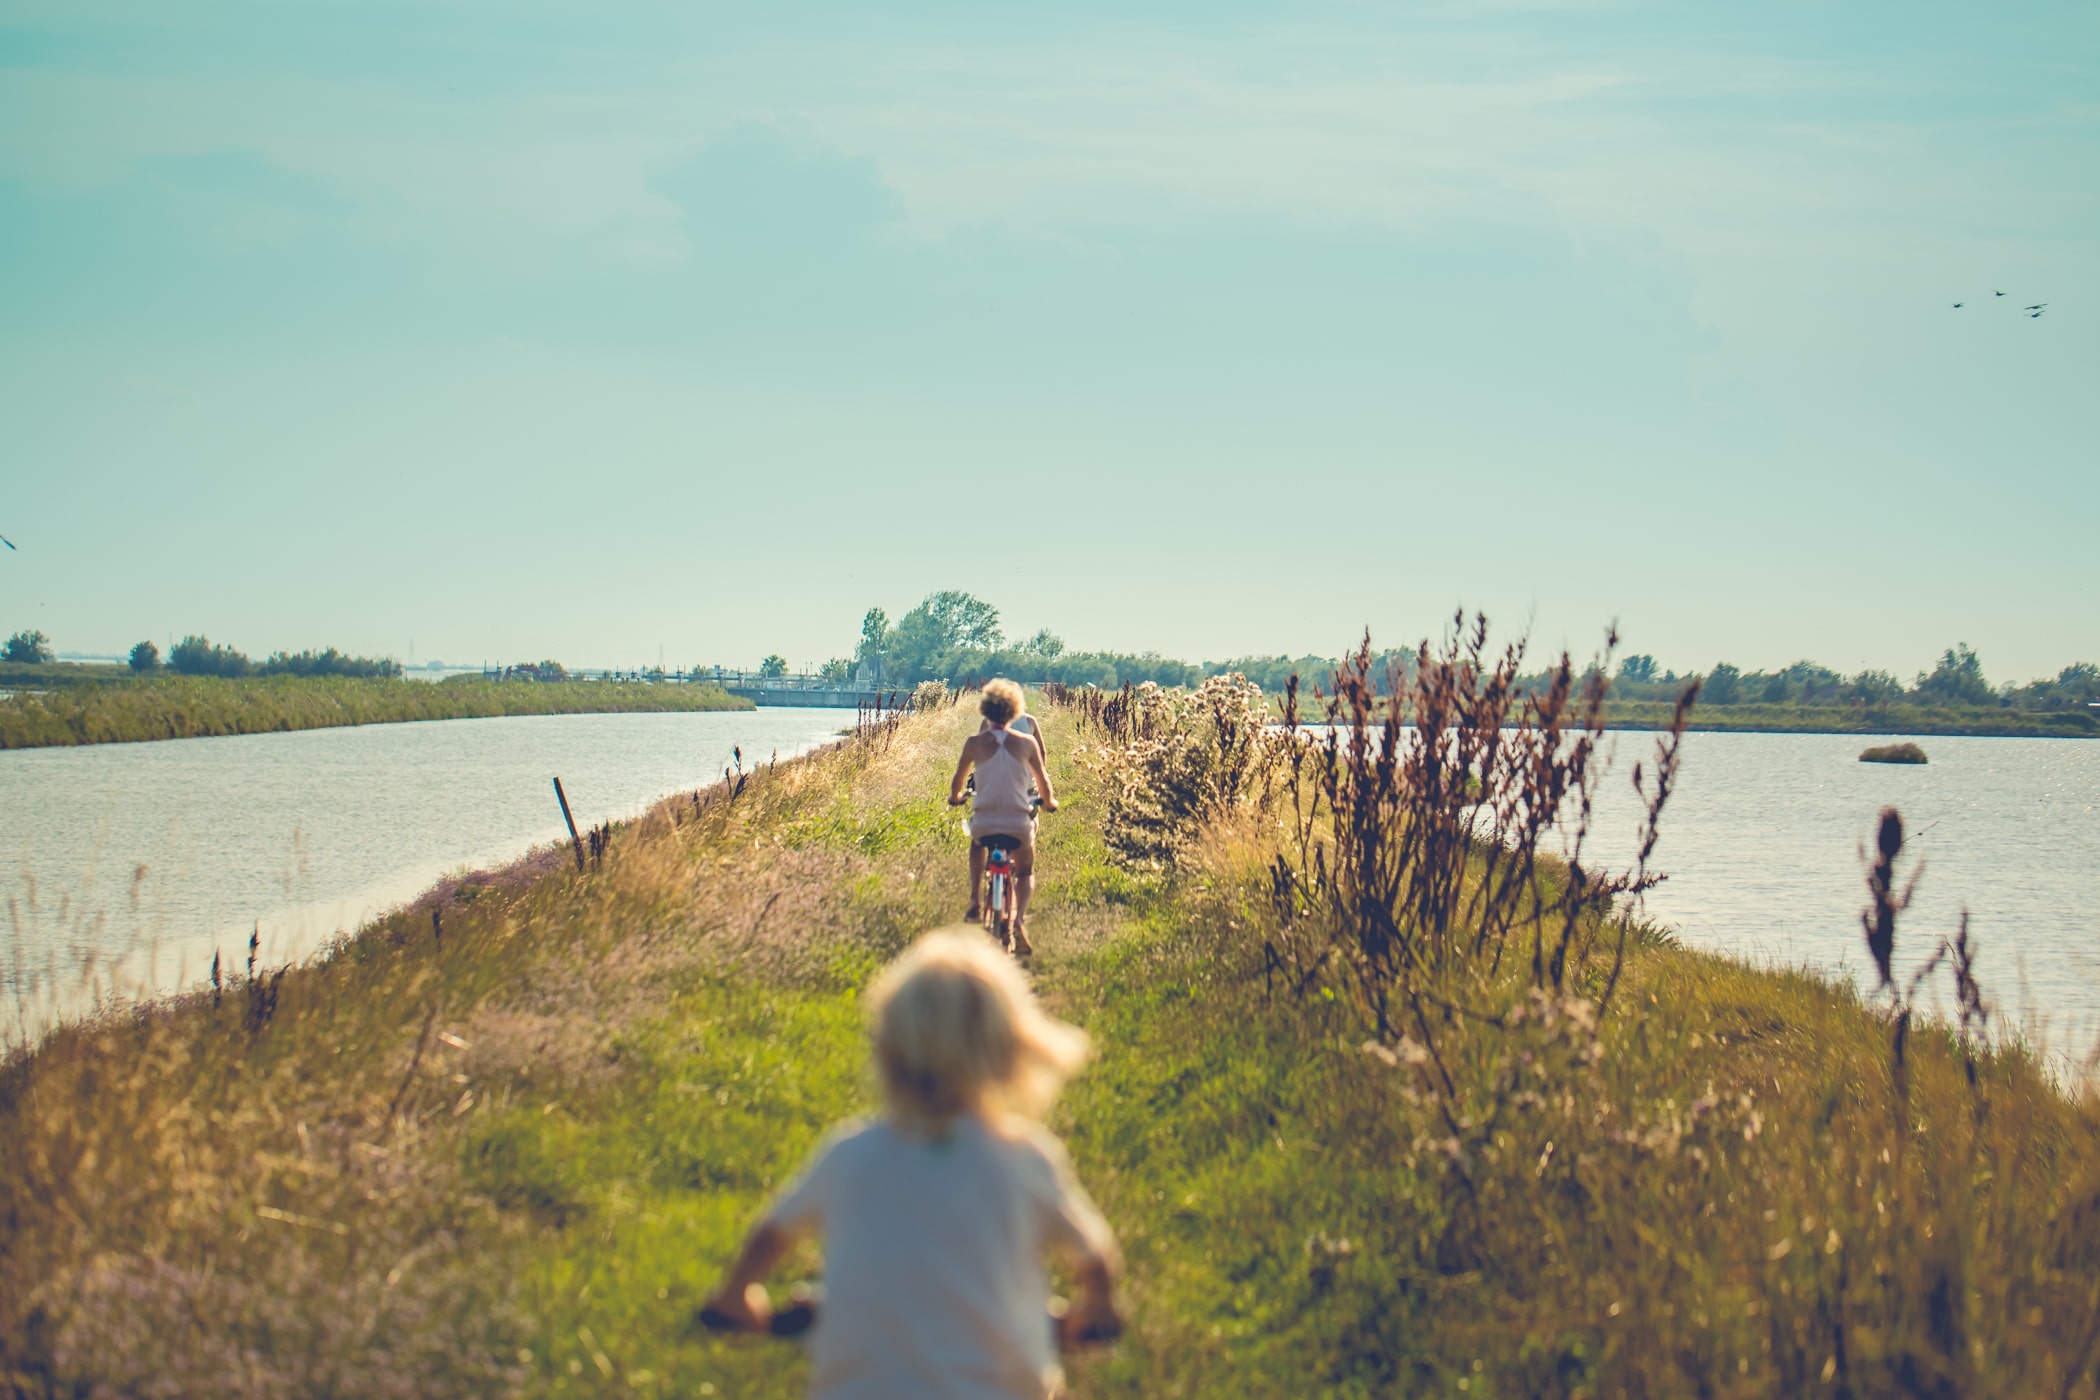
{"type": "Point", "coordinates": [507, 1150]}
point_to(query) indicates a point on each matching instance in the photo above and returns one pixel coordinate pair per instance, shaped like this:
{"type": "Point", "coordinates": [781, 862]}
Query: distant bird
{"type": "Point", "coordinates": [1957, 306]}
{"type": "Point", "coordinates": [2036, 307]}
{"type": "Point", "coordinates": [9, 543]}
{"type": "Point", "coordinates": [1997, 294]}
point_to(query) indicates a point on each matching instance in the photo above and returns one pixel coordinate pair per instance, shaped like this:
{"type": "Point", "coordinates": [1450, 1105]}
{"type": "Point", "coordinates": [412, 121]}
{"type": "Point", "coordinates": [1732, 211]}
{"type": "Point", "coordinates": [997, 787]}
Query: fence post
{"type": "Point", "coordinates": [574, 839]}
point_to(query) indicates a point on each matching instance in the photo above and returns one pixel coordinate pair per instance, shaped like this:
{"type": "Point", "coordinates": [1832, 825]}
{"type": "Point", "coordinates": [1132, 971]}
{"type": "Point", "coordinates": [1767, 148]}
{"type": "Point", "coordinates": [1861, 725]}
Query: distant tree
{"type": "Point", "coordinates": [1957, 680]}
{"type": "Point", "coordinates": [1775, 691]}
{"type": "Point", "coordinates": [1638, 669]}
{"type": "Point", "coordinates": [1723, 685]}
{"type": "Point", "coordinates": [838, 670]}
{"type": "Point", "coordinates": [145, 657]}
{"type": "Point", "coordinates": [195, 655]}
{"type": "Point", "coordinates": [28, 648]}
{"type": "Point", "coordinates": [2079, 683]}
{"type": "Point", "coordinates": [1874, 688]}
{"type": "Point", "coordinates": [773, 667]}
{"type": "Point", "coordinates": [874, 636]}
{"type": "Point", "coordinates": [925, 640]}
{"type": "Point", "coordinates": [328, 663]}
{"type": "Point", "coordinates": [1046, 644]}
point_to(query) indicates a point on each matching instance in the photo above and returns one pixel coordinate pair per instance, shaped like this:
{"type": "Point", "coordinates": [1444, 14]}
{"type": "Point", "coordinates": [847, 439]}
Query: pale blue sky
{"type": "Point", "coordinates": [530, 329]}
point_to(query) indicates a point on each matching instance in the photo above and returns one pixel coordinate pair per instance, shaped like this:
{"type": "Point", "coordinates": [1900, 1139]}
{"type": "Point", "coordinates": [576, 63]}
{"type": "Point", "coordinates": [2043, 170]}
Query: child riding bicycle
{"type": "Point", "coordinates": [1004, 808]}
{"type": "Point", "coordinates": [936, 1217]}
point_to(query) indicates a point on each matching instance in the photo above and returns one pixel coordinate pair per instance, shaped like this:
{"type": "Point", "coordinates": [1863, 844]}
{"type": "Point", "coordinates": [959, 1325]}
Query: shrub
{"type": "Point", "coordinates": [1893, 753]}
{"type": "Point", "coordinates": [145, 656]}
{"type": "Point", "coordinates": [195, 655]}
{"type": "Point", "coordinates": [329, 663]}
{"type": "Point", "coordinates": [28, 648]}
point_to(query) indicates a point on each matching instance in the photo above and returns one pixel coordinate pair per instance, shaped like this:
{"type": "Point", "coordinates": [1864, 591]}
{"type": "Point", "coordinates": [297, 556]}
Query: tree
{"type": "Point", "coordinates": [1046, 644]}
{"type": "Point", "coordinates": [1723, 685]}
{"type": "Point", "coordinates": [1957, 680]}
{"type": "Point", "coordinates": [838, 670]}
{"type": "Point", "coordinates": [1638, 669]}
{"type": "Point", "coordinates": [195, 655]}
{"type": "Point", "coordinates": [946, 622]}
{"type": "Point", "coordinates": [1775, 690]}
{"type": "Point", "coordinates": [874, 636]}
{"type": "Point", "coordinates": [773, 667]}
{"type": "Point", "coordinates": [28, 647]}
{"type": "Point", "coordinates": [1874, 688]}
{"type": "Point", "coordinates": [145, 657]}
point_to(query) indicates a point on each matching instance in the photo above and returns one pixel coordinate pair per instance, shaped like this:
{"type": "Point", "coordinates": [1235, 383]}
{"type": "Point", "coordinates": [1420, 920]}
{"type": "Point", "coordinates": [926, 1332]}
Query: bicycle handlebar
{"type": "Point", "coordinates": [801, 1315]}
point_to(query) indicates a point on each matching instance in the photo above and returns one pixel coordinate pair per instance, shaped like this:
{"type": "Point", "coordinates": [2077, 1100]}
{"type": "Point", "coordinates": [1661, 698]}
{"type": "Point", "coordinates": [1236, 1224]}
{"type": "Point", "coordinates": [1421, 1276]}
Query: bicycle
{"type": "Point", "coordinates": [805, 1303]}
{"type": "Point", "coordinates": [999, 908]}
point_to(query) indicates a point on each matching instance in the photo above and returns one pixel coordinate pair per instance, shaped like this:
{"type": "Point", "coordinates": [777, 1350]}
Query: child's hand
{"type": "Point", "coordinates": [748, 1311]}
{"type": "Point", "coordinates": [1089, 1323]}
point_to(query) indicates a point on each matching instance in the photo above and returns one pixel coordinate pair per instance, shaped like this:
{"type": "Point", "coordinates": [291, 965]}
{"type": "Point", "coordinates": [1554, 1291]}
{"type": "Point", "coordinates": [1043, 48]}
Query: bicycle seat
{"type": "Point", "coordinates": [1000, 843]}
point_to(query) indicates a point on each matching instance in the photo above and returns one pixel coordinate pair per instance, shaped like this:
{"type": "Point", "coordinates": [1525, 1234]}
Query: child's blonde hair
{"type": "Point", "coordinates": [1002, 701]}
{"type": "Point", "coordinates": [957, 1030]}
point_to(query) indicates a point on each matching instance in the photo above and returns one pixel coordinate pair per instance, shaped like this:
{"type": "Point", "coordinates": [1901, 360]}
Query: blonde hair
{"type": "Point", "coordinates": [957, 1030]}
{"type": "Point", "coordinates": [1002, 701]}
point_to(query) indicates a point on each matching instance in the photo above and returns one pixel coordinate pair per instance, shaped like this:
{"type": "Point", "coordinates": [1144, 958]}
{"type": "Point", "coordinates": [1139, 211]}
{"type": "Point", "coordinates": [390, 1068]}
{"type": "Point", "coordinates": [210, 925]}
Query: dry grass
{"type": "Point", "coordinates": [504, 1151]}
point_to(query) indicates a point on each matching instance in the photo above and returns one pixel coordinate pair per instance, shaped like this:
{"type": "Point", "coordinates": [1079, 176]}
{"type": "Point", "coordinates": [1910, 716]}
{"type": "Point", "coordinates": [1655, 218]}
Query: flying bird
{"type": "Point", "coordinates": [1957, 306]}
{"type": "Point", "coordinates": [9, 543]}
{"type": "Point", "coordinates": [2036, 307]}
{"type": "Point", "coordinates": [1997, 294]}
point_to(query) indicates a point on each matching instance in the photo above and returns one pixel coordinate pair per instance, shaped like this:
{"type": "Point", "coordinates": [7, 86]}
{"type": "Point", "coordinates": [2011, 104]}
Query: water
{"type": "Point", "coordinates": [127, 864]}
{"type": "Point", "coordinates": [313, 832]}
{"type": "Point", "coordinates": [1762, 844]}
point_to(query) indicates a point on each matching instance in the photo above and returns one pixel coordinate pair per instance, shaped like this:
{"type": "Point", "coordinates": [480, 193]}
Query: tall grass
{"type": "Point", "coordinates": [193, 707]}
{"type": "Point", "coordinates": [1579, 1160]}
{"type": "Point", "coordinates": [502, 1141]}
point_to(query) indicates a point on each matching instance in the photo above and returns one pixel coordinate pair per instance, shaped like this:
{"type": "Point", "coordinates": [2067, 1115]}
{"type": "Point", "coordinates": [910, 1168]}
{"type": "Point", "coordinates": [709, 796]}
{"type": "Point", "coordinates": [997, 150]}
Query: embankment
{"type": "Point", "coordinates": [503, 1141]}
{"type": "Point", "coordinates": [195, 707]}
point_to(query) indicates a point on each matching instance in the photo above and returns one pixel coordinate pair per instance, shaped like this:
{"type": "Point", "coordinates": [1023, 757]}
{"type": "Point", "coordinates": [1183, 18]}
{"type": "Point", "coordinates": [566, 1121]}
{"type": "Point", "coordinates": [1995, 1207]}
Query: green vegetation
{"type": "Point", "coordinates": [27, 648]}
{"type": "Point", "coordinates": [504, 1140]}
{"type": "Point", "coordinates": [186, 707]}
{"type": "Point", "coordinates": [956, 638]}
{"type": "Point", "coordinates": [1893, 753]}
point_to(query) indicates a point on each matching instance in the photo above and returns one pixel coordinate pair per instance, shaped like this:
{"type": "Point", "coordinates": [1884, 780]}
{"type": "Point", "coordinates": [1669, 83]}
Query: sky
{"type": "Point", "coordinates": [623, 330]}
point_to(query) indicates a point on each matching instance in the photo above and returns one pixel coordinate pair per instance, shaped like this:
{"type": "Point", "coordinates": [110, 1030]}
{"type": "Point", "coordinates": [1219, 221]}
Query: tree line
{"type": "Point", "coordinates": [954, 636]}
{"type": "Point", "coordinates": [198, 655]}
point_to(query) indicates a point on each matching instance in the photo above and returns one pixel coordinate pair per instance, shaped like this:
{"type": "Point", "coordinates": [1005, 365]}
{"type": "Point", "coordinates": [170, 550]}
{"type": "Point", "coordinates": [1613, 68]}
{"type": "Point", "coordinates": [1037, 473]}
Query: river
{"type": "Point", "coordinates": [129, 863]}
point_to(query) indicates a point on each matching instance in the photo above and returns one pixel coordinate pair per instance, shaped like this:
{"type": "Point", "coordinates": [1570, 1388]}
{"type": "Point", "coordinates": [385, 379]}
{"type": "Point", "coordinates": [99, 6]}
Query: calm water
{"type": "Point", "coordinates": [314, 832]}
{"type": "Point", "coordinates": [1762, 843]}
{"type": "Point", "coordinates": [126, 864]}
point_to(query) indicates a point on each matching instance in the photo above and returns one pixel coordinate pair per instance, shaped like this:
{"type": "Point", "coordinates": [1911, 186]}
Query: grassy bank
{"type": "Point", "coordinates": [1984, 720]}
{"type": "Point", "coordinates": [194, 707]}
{"type": "Point", "coordinates": [506, 1149]}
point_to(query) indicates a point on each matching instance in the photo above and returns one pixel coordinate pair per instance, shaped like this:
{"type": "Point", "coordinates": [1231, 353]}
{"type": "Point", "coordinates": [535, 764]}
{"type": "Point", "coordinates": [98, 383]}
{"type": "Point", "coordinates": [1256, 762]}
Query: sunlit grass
{"type": "Point", "coordinates": [188, 707]}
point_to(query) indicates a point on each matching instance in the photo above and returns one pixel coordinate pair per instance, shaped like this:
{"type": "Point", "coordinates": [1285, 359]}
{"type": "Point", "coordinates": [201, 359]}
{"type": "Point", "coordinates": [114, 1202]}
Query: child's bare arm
{"type": "Point", "coordinates": [742, 1294]}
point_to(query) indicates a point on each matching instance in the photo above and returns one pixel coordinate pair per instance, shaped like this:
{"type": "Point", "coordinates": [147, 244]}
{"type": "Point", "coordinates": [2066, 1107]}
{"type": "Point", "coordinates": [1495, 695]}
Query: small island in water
{"type": "Point", "coordinates": [1893, 753]}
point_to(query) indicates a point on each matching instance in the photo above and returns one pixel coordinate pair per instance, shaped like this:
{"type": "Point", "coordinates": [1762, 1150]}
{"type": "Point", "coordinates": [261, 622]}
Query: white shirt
{"type": "Point", "coordinates": [934, 1285]}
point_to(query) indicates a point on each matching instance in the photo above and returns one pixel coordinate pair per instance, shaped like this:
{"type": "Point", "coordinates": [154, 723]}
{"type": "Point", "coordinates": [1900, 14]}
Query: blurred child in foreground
{"type": "Point", "coordinates": [937, 1217]}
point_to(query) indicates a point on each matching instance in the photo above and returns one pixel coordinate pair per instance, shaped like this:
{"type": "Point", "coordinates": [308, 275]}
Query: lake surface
{"type": "Point", "coordinates": [313, 832]}
{"type": "Point", "coordinates": [1762, 843]}
{"type": "Point", "coordinates": [125, 865]}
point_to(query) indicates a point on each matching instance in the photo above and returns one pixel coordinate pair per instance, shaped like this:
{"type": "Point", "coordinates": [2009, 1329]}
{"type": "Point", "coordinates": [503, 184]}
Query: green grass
{"type": "Point", "coordinates": [192, 707]}
{"type": "Point", "coordinates": [1986, 720]}
{"type": "Point", "coordinates": [542, 1136]}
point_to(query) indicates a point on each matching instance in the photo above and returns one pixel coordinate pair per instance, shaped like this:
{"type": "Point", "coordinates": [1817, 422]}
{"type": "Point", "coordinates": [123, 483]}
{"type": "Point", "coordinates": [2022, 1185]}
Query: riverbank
{"type": "Point", "coordinates": [195, 707]}
{"type": "Point", "coordinates": [1979, 721]}
{"type": "Point", "coordinates": [505, 1139]}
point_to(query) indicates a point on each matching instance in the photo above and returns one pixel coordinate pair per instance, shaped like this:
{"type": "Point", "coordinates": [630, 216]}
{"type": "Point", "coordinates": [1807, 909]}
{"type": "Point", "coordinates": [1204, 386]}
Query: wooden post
{"type": "Point", "coordinates": [576, 840]}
